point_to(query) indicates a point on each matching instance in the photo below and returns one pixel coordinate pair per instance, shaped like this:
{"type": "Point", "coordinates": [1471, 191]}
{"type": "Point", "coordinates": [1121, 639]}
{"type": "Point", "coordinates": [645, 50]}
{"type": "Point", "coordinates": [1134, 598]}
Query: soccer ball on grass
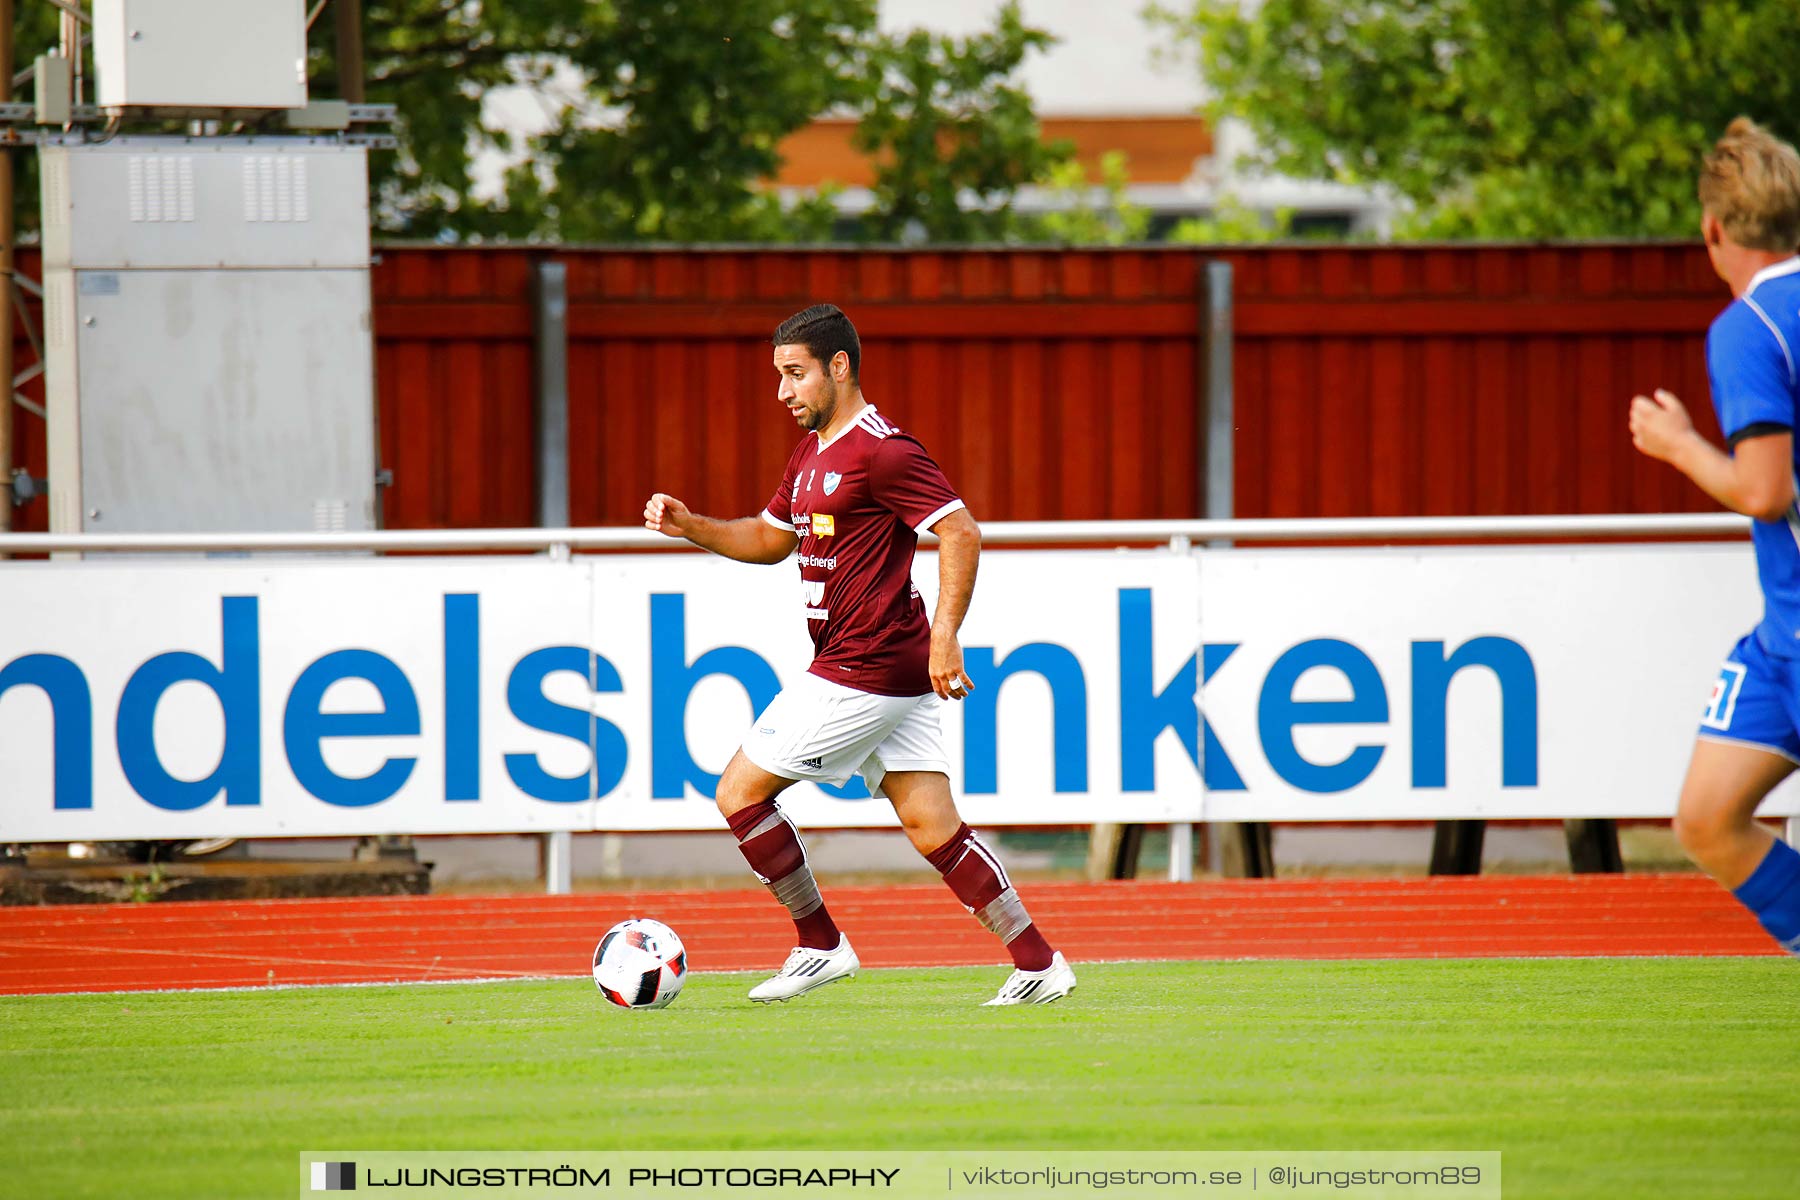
{"type": "Point", "coordinates": [640, 963]}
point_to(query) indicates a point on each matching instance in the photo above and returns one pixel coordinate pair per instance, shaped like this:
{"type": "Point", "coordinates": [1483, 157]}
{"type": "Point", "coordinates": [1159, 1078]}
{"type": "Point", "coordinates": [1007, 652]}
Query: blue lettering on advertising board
{"type": "Point", "coordinates": [304, 726]}
{"type": "Point", "coordinates": [1512, 669]}
{"type": "Point", "coordinates": [72, 718]}
{"type": "Point", "coordinates": [1145, 712]}
{"type": "Point", "coordinates": [604, 740]}
{"type": "Point", "coordinates": [1058, 667]}
{"type": "Point", "coordinates": [236, 683]}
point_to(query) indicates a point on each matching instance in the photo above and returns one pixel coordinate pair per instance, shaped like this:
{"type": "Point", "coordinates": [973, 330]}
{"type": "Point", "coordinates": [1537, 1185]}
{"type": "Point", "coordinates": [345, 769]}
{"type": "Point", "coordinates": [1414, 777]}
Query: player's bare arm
{"type": "Point", "coordinates": [959, 552]}
{"type": "Point", "coordinates": [1756, 479]}
{"type": "Point", "coordinates": [747, 539]}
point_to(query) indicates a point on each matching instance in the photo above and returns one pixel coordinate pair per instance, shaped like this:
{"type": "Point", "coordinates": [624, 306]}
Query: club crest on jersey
{"type": "Point", "coordinates": [832, 479]}
{"type": "Point", "coordinates": [823, 525]}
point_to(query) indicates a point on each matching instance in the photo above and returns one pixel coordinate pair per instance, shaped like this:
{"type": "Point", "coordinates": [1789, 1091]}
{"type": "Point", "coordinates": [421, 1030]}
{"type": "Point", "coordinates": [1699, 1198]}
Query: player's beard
{"type": "Point", "coordinates": [818, 418]}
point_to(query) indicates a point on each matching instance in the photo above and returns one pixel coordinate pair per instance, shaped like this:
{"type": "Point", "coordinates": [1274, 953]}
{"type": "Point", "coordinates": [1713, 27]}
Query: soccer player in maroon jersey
{"type": "Point", "coordinates": [856, 495]}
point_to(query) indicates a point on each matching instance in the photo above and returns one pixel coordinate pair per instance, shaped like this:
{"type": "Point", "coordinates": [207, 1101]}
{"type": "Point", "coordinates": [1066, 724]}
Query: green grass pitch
{"type": "Point", "coordinates": [1614, 1078]}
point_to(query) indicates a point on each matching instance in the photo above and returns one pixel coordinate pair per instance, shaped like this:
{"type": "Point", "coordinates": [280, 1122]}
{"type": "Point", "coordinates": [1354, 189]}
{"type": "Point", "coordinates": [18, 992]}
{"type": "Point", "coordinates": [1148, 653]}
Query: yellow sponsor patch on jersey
{"type": "Point", "coordinates": [823, 525]}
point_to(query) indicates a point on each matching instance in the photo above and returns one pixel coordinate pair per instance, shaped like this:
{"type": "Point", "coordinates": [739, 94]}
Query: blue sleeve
{"type": "Point", "coordinates": [1751, 384]}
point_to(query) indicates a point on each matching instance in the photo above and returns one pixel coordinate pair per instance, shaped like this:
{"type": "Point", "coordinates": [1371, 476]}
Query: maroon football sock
{"type": "Point", "coordinates": [771, 845]}
{"type": "Point", "coordinates": [979, 881]}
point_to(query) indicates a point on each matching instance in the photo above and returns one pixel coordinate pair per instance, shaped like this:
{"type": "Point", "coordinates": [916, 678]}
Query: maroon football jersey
{"type": "Point", "coordinates": [858, 504]}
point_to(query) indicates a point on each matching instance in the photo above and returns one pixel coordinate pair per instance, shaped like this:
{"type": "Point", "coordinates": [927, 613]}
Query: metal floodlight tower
{"type": "Point", "coordinates": [208, 344]}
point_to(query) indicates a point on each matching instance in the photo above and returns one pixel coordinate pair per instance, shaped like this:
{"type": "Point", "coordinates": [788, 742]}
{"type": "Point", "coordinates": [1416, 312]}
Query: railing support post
{"type": "Point", "coordinates": [559, 862]}
{"type": "Point", "coordinates": [550, 392]}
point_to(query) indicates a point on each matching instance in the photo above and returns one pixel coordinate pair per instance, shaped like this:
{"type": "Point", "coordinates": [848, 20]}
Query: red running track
{"type": "Point", "coordinates": [200, 944]}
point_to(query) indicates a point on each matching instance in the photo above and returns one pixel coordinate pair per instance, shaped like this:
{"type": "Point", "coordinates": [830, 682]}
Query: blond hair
{"type": "Point", "coordinates": [1751, 183]}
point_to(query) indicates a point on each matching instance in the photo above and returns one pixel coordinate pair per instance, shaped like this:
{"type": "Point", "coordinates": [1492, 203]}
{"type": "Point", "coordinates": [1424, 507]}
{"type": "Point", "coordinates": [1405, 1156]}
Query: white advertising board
{"type": "Point", "coordinates": [1453, 682]}
{"type": "Point", "coordinates": [253, 698]}
{"type": "Point", "coordinates": [245, 698]}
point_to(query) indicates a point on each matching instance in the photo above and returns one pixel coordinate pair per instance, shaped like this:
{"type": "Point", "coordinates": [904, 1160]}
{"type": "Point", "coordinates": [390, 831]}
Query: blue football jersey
{"type": "Point", "coordinates": [1752, 364]}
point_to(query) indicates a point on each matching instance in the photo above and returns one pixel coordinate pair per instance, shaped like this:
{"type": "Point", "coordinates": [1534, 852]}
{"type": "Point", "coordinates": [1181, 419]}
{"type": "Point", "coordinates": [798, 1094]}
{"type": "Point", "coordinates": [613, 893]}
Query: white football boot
{"type": "Point", "coordinates": [807, 969]}
{"type": "Point", "coordinates": [1037, 987]}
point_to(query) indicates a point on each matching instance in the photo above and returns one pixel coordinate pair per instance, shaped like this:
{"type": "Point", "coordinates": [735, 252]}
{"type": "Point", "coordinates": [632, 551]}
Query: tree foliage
{"type": "Point", "coordinates": [696, 98]}
{"type": "Point", "coordinates": [676, 113]}
{"type": "Point", "coordinates": [1082, 211]}
{"type": "Point", "coordinates": [952, 138]}
{"type": "Point", "coordinates": [662, 119]}
{"type": "Point", "coordinates": [674, 130]}
{"type": "Point", "coordinates": [435, 61]}
{"type": "Point", "coordinates": [1502, 118]}
{"type": "Point", "coordinates": [1235, 223]}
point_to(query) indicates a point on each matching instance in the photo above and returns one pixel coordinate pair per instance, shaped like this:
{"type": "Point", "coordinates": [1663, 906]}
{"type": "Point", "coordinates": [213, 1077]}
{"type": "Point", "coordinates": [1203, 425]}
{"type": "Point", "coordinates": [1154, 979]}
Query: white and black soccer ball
{"type": "Point", "coordinates": [640, 963]}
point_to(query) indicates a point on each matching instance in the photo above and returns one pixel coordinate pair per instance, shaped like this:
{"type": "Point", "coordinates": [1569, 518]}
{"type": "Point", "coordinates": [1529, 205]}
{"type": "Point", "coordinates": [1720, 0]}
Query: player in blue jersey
{"type": "Point", "coordinates": [1749, 737]}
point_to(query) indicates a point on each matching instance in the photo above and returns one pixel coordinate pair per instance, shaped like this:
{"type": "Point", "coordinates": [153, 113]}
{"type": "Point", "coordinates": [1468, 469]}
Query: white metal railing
{"type": "Point", "coordinates": [994, 533]}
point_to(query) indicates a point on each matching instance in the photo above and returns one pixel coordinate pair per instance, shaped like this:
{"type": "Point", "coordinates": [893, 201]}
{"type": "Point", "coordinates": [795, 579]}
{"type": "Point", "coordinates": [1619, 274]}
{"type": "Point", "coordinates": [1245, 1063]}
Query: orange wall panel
{"type": "Point", "coordinates": [1157, 149]}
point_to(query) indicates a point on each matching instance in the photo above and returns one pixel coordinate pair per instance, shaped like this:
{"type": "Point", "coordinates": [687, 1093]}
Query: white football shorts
{"type": "Point", "coordinates": [825, 732]}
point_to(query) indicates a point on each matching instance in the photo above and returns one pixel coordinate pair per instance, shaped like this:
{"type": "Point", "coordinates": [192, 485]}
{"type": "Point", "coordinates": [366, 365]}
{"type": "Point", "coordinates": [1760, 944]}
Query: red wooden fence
{"type": "Point", "coordinates": [1050, 383]}
{"type": "Point", "coordinates": [1447, 380]}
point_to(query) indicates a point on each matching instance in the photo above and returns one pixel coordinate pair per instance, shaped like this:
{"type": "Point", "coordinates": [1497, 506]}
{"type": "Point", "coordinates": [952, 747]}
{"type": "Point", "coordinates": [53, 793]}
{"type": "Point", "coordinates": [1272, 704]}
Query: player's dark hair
{"type": "Point", "coordinates": [824, 330]}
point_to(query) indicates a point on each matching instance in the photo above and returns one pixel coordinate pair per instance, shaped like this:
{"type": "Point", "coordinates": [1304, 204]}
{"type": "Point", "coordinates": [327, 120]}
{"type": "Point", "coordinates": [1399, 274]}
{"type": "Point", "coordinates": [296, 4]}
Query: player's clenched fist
{"type": "Point", "coordinates": [666, 514]}
{"type": "Point", "coordinates": [1659, 424]}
